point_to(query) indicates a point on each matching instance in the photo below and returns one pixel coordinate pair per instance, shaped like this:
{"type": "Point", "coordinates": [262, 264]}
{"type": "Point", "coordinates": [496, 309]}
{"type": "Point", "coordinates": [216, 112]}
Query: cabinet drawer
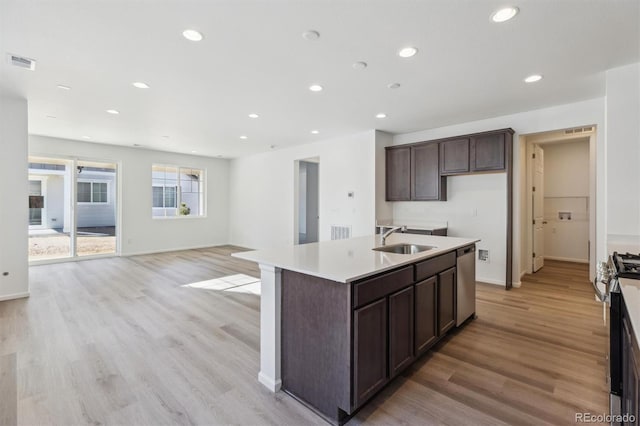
{"type": "Point", "coordinates": [382, 285]}
{"type": "Point", "coordinates": [430, 267]}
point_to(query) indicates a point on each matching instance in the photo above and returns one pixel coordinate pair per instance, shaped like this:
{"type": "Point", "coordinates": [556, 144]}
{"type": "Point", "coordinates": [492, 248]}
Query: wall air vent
{"type": "Point", "coordinates": [340, 232]}
{"type": "Point", "coordinates": [21, 62]}
{"type": "Point", "coordinates": [578, 130]}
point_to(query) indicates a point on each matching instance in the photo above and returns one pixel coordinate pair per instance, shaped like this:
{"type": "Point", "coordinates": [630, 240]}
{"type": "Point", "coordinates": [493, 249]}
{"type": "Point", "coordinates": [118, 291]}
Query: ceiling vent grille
{"type": "Point", "coordinates": [22, 62]}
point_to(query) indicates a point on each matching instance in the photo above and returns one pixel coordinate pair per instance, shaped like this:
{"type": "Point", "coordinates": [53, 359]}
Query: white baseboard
{"type": "Point", "coordinates": [490, 281]}
{"type": "Point", "coordinates": [269, 383]}
{"type": "Point", "coordinates": [14, 296]}
{"type": "Point", "coordinates": [567, 259]}
{"type": "Point", "coordinates": [140, 253]}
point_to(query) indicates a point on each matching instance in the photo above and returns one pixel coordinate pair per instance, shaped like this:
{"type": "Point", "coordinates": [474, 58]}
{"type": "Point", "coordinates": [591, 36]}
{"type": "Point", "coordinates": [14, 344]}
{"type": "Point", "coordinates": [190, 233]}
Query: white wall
{"type": "Point", "coordinates": [623, 152]}
{"type": "Point", "coordinates": [139, 231]}
{"type": "Point", "coordinates": [384, 209]}
{"type": "Point", "coordinates": [14, 188]}
{"type": "Point", "coordinates": [553, 118]}
{"type": "Point", "coordinates": [262, 191]}
{"type": "Point", "coordinates": [566, 189]}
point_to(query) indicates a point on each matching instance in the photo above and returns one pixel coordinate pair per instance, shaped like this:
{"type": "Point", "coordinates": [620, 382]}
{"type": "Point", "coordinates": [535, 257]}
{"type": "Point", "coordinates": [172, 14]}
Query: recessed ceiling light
{"type": "Point", "coordinates": [140, 85]}
{"type": "Point", "coordinates": [243, 137]}
{"type": "Point", "coordinates": [51, 116]}
{"type": "Point", "coordinates": [533, 78]}
{"type": "Point", "coordinates": [315, 132]}
{"type": "Point", "coordinates": [315, 88]}
{"type": "Point", "coordinates": [194, 151]}
{"type": "Point", "coordinates": [253, 115]}
{"type": "Point", "coordinates": [113, 111]}
{"type": "Point", "coordinates": [381, 115]}
{"type": "Point", "coordinates": [311, 35]}
{"type": "Point", "coordinates": [407, 52]}
{"type": "Point", "coordinates": [359, 65]}
{"type": "Point", "coordinates": [86, 137]}
{"type": "Point", "coordinates": [504, 14]}
{"type": "Point", "coordinates": [394, 86]}
{"type": "Point", "coordinates": [192, 35]}
{"type": "Point", "coordinates": [63, 87]}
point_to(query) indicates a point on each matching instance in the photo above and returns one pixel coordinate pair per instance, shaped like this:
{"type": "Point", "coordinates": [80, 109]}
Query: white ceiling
{"type": "Point", "coordinates": [254, 59]}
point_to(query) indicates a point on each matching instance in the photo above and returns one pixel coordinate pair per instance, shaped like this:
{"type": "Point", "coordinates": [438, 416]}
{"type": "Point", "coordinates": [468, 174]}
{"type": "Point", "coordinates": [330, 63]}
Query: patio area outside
{"type": "Point", "coordinates": [54, 243]}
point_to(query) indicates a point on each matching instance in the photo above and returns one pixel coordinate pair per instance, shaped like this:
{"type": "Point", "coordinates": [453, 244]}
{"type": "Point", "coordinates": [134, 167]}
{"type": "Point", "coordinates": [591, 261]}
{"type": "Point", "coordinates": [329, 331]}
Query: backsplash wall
{"type": "Point", "coordinates": [475, 208]}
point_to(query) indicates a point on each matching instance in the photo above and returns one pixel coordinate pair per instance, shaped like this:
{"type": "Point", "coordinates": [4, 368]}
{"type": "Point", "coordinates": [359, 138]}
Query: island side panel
{"type": "Point", "coordinates": [316, 342]}
{"type": "Point", "coordinates": [270, 347]}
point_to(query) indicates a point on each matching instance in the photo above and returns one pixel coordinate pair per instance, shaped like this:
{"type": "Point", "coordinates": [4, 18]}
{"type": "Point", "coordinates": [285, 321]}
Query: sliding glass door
{"type": "Point", "coordinates": [72, 208]}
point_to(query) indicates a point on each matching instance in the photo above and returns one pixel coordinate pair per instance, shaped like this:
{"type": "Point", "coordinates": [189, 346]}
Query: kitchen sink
{"type": "Point", "coordinates": [403, 248]}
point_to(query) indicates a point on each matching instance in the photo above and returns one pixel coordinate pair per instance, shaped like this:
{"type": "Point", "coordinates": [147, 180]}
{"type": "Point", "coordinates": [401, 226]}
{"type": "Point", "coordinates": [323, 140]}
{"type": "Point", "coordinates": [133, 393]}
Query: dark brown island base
{"type": "Point", "coordinates": [343, 342]}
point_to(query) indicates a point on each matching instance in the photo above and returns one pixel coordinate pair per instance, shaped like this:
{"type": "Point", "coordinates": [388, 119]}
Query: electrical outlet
{"type": "Point", "coordinates": [483, 255]}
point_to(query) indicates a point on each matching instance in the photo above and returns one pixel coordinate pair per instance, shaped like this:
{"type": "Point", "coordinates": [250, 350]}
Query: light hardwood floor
{"type": "Point", "coordinates": [123, 341]}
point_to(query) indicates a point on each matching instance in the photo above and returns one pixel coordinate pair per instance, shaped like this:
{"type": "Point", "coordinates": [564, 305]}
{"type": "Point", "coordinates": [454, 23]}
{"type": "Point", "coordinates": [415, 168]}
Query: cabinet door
{"type": "Point", "coordinates": [487, 152]}
{"type": "Point", "coordinates": [426, 183]}
{"type": "Point", "coordinates": [446, 300]}
{"type": "Point", "coordinates": [398, 174]}
{"type": "Point", "coordinates": [369, 350]}
{"type": "Point", "coordinates": [454, 156]}
{"type": "Point", "coordinates": [426, 315]}
{"type": "Point", "coordinates": [400, 330]}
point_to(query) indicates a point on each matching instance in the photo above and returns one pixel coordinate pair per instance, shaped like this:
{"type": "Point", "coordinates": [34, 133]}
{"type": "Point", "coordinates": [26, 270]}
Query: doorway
{"type": "Point", "coordinates": [72, 208]}
{"type": "Point", "coordinates": [560, 176]}
{"type": "Point", "coordinates": [308, 200]}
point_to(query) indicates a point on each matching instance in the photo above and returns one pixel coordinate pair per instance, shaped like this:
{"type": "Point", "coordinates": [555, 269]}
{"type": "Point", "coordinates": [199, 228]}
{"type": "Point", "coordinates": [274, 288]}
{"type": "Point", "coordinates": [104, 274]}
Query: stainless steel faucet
{"type": "Point", "coordinates": [383, 236]}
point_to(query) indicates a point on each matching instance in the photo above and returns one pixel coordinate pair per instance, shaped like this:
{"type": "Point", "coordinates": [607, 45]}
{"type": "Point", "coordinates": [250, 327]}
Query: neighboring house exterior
{"type": "Point", "coordinates": [96, 197]}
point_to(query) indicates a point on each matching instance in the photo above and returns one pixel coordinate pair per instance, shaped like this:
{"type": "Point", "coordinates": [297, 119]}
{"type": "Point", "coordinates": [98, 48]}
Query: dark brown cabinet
{"type": "Point", "coordinates": [426, 182]}
{"type": "Point", "coordinates": [400, 330]}
{"type": "Point", "coordinates": [398, 174]}
{"type": "Point", "coordinates": [487, 152]}
{"type": "Point", "coordinates": [426, 315]}
{"type": "Point", "coordinates": [369, 350]}
{"type": "Point", "coordinates": [446, 300]}
{"type": "Point", "coordinates": [454, 156]}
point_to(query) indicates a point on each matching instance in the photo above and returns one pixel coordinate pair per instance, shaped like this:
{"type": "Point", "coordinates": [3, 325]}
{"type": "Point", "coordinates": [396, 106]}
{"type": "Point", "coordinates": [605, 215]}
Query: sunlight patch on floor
{"type": "Point", "coordinates": [237, 283]}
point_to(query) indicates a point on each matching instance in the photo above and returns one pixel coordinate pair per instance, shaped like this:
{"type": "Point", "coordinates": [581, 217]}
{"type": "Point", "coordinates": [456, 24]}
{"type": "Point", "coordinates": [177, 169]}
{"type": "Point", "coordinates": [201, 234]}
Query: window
{"type": "Point", "coordinates": [92, 192]}
{"type": "Point", "coordinates": [177, 191]}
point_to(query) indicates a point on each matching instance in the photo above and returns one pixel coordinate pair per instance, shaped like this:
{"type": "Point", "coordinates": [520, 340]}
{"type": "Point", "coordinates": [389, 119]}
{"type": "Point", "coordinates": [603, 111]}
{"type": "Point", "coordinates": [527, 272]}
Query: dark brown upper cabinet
{"type": "Point", "coordinates": [487, 152]}
{"type": "Point", "coordinates": [454, 156]}
{"type": "Point", "coordinates": [426, 182]}
{"type": "Point", "coordinates": [398, 173]}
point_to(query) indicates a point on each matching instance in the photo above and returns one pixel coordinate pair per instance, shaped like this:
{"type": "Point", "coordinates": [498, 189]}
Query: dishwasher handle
{"type": "Point", "coordinates": [466, 250]}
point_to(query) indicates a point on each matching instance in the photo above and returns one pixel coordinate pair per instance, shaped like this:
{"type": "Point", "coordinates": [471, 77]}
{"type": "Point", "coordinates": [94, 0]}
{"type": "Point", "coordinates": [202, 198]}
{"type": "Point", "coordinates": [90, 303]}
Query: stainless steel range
{"type": "Point", "coordinates": [607, 289]}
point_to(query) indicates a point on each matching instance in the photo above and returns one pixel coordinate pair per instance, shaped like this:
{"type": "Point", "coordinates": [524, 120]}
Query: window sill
{"type": "Point", "coordinates": [189, 217]}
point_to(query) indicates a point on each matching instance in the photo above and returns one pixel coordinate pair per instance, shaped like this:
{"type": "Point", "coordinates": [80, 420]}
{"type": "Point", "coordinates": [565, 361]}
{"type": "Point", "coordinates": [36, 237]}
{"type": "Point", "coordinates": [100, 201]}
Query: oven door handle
{"type": "Point", "coordinates": [603, 297]}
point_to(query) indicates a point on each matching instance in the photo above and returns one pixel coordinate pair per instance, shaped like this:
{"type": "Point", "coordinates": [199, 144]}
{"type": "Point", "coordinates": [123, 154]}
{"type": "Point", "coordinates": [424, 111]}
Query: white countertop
{"type": "Point", "coordinates": [352, 259]}
{"type": "Point", "coordinates": [630, 289]}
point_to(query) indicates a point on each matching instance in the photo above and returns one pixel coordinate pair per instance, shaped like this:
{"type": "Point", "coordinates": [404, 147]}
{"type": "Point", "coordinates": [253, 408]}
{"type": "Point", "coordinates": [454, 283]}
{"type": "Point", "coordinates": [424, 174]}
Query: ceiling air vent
{"type": "Point", "coordinates": [22, 62]}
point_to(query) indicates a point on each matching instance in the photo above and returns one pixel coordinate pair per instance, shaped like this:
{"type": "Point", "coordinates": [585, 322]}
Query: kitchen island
{"type": "Point", "coordinates": [339, 320]}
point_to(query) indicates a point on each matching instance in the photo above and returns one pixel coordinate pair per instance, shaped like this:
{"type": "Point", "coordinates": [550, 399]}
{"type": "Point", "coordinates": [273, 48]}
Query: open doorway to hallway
{"type": "Point", "coordinates": [307, 200]}
{"type": "Point", "coordinates": [560, 191]}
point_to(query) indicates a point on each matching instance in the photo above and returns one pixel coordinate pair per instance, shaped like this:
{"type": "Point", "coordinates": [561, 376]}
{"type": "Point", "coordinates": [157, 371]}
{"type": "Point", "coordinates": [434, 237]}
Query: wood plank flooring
{"type": "Point", "coordinates": [124, 341]}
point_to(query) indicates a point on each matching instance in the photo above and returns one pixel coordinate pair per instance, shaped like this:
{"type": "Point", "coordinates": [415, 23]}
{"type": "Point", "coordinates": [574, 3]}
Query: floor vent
{"type": "Point", "coordinates": [22, 62]}
{"type": "Point", "coordinates": [340, 232]}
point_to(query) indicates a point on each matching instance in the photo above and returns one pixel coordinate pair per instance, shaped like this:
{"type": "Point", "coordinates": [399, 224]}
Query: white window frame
{"type": "Point", "coordinates": [94, 203]}
{"type": "Point", "coordinates": [202, 193]}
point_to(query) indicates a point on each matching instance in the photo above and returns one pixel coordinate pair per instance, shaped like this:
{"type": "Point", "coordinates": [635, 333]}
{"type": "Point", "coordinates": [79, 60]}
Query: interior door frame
{"type": "Point", "coordinates": [546, 137]}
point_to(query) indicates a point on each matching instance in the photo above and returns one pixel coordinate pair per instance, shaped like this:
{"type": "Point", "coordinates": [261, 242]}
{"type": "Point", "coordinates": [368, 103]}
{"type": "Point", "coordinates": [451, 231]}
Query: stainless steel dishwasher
{"type": "Point", "coordinates": [466, 287]}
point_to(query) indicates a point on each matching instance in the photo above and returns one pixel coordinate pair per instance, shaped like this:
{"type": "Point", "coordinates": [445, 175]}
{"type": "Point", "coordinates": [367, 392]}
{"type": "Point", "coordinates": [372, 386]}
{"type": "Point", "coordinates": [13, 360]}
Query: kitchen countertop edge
{"type": "Point", "coordinates": [266, 257]}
